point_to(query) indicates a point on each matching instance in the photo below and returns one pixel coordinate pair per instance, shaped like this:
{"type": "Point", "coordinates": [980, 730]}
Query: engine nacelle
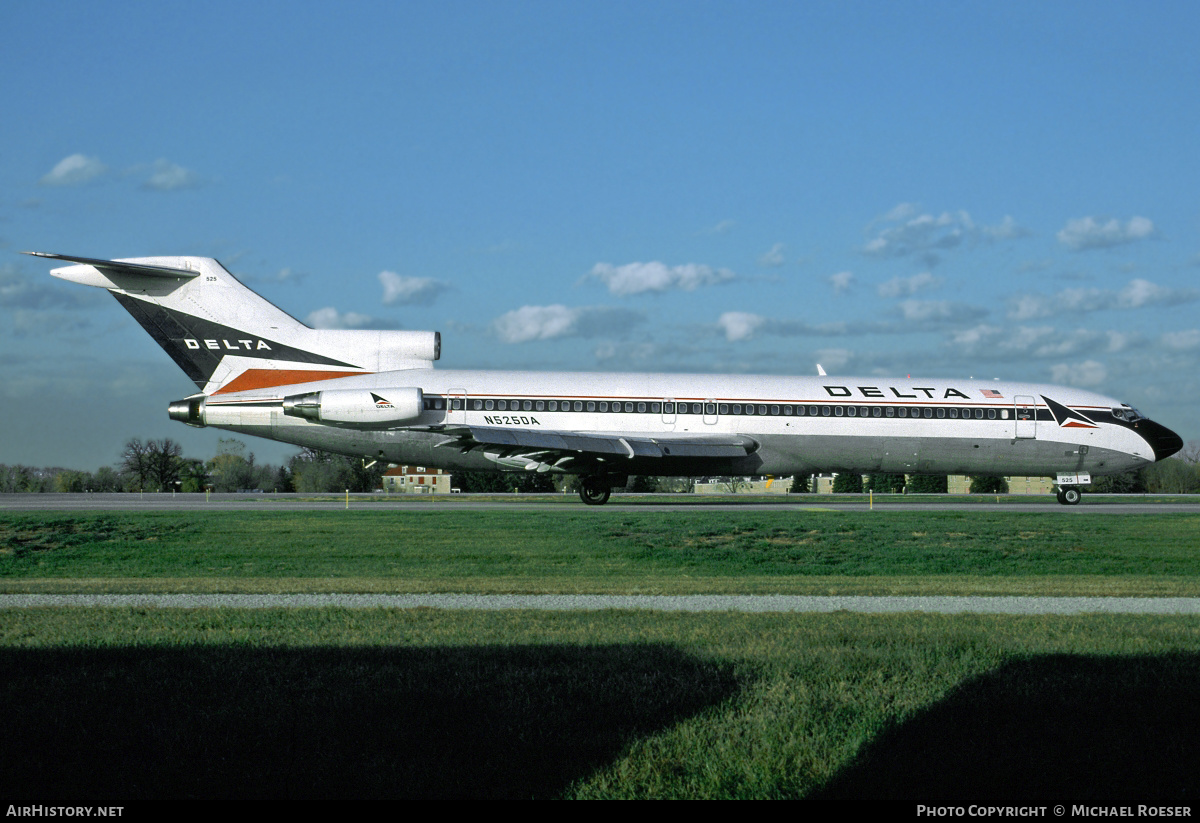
{"type": "Point", "coordinates": [358, 408]}
{"type": "Point", "coordinates": [380, 351]}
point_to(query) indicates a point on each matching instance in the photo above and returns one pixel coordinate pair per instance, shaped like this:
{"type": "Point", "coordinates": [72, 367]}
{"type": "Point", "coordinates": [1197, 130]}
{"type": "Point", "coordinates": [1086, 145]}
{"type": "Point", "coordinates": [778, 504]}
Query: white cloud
{"type": "Point", "coordinates": [633, 353]}
{"type": "Point", "coordinates": [638, 278]}
{"type": "Point", "coordinates": [1120, 341]}
{"type": "Point", "coordinates": [22, 291]}
{"type": "Point", "coordinates": [605, 351]}
{"type": "Point", "coordinates": [410, 291]}
{"type": "Point", "coordinates": [981, 336]}
{"type": "Point", "coordinates": [925, 235]}
{"type": "Point", "coordinates": [32, 323]}
{"type": "Point", "coordinates": [289, 275]}
{"type": "Point", "coordinates": [1068, 343]}
{"type": "Point", "coordinates": [167, 176]}
{"type": "Point", "coordinates": [902, 211]}
{"type": "Point", "coordinates": [74, 170]}
{"type": "Point", "coordinates": [919, 234]}
{"type": "Point", "coordinates": [331, 318]}
{"type": "Point", "coordinates": [724, 227]}
{"type": "Point", "coordinates": [772, 258]}
{"type": "Point", "coordinates": [1086, 374]}
{"type": "Point", "coordinates": [1136, 294]}
{"type": "Point", "coordinates": [907, 286]}
{"type": "Point", "coordinates": [834, 359]}
{"type": "Point", "coordinates": [536, 323]}
{"type": "Point", "coordinates": [1182, 340]}
{"type": "Point", "coordinates": [284, 275]}
{"type": "Point", "coordinates": [1144, 293]}
{"type": "Point", "coordinates": [1029, 306]}
{"type": "Point", "coordinates": [1089, 233]}
{"type": "Point", "coordinates": [552, 322]}
{"type": "Point", "coordinates": [1040, 341]}
{"type": "Point", "coordinates": [928, 311]}
{"type": "Point", "coordinates": [1007, 229]}
{"type": "Point", "coordinates": [740, 325]}
{"type": "Point", "coordinates": [841, 282]}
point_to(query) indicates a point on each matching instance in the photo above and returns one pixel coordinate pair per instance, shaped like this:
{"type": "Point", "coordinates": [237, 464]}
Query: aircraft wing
{"type": "Point", "coordinates": [561, 448]}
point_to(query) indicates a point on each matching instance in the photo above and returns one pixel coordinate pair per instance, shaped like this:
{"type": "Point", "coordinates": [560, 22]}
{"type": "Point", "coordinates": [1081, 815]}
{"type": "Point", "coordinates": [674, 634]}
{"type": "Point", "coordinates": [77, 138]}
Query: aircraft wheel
{"type": "Point", "coordinates": [595, 491]}
{"type": "Point", "coordinates": [1070, 496]}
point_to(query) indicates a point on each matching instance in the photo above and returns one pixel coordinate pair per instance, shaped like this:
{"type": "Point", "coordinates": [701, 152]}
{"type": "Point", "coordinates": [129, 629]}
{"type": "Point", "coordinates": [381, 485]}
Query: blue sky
{"type": "Point", "coordinates": [947, 189]}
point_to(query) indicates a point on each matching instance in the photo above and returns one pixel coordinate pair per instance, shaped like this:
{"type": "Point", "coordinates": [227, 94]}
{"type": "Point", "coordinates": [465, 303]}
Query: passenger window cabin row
{"type": "Point", "coordinates": [437, 403]}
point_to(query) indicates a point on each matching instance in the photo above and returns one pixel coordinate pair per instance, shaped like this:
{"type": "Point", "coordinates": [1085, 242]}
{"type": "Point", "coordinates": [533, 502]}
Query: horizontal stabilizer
{"type": "Point", "coordinates": [118, 267]}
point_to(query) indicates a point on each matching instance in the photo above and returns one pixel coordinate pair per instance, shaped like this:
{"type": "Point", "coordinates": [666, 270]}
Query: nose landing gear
{"type": "Point", "coordinates": [1069, 495]}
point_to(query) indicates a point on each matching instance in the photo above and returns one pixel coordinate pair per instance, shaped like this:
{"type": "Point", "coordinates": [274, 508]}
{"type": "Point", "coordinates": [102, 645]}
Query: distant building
{"type": "Point", "coordinates": [823, 483]}
{"type": "Point", "coordinates": [416, 479]}
{"type": "Point", "coordinates": [745, 485]}
{"type": "Point", "coordinates": [961, 484]}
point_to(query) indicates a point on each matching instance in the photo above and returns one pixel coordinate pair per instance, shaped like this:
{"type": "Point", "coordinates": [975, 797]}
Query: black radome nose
{"type": "Point", "coordinates": [1164, 441]}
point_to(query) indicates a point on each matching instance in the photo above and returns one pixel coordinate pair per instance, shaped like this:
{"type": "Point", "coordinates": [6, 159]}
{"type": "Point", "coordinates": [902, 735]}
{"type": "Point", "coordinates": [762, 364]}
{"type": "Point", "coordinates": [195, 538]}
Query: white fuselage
{"type": "Point", "coordinates": [801, 424]}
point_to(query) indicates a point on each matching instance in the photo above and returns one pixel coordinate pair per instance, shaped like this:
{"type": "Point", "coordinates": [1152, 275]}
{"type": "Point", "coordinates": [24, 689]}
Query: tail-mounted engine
{"type": "Point", "coordinates": [357, 408]}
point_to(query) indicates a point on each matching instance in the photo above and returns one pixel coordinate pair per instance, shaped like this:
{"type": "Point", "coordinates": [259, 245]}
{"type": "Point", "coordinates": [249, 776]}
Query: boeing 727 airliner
{"type": "Point", "coordinates": [376, 394]}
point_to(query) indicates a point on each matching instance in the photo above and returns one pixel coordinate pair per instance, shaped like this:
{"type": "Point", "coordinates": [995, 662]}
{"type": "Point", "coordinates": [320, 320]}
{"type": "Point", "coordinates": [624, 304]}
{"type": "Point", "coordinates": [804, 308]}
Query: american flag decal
{"type": "Point", "coordinates": [991, 393]}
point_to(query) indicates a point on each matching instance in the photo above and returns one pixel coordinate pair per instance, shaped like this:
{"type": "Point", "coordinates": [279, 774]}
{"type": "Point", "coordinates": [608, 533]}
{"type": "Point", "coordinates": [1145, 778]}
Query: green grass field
{"type": "Point", "coordinates": [818, 552]}
{"type": "Point", "coordinates": [170, 703]}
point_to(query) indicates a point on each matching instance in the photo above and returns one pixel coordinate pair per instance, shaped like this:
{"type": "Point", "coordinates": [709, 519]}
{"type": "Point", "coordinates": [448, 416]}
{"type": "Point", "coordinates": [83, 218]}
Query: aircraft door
{"type": "Point", "coordinates": [668, 414]}
{"type": "Point", "coordinates": [710, 411]}
{"type": "Point", "coordinates": [1025, 417]}
{"type": "Point", "coordinates": [456, 406]}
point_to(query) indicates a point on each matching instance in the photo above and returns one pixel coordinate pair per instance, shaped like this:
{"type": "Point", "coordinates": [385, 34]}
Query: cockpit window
{"type": "Point", "coordinates": [1128, 413]}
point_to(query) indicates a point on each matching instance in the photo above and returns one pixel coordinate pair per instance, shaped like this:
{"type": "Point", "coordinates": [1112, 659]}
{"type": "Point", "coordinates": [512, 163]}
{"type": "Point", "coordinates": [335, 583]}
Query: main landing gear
{"type": "Point", "coordinates": [595, 490]}
{"type": "Point", "coordinates": [1069, 495]}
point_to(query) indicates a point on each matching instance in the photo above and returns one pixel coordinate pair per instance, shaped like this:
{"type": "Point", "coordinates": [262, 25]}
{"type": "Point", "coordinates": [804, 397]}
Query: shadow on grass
{"type": "Point", "coordinates": [214, 722]}
{"type": "Point", "coordinates": [1059, 729]}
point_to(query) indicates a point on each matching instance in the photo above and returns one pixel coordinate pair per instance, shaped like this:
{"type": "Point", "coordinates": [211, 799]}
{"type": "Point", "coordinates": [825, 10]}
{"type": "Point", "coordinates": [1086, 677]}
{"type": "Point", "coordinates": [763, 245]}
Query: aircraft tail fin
{"type": "Point", "coordinates": [227, 338]}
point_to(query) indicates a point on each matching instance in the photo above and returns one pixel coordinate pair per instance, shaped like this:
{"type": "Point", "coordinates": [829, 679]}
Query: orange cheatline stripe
{"type": "Point", "coordinates": [266, 378]}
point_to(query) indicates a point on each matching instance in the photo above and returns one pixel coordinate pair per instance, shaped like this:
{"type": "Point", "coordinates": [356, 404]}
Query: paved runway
{"type": "Point", "coordinates": [664, 603]}
{"type": "Point", "coordinates": [1105, 504]}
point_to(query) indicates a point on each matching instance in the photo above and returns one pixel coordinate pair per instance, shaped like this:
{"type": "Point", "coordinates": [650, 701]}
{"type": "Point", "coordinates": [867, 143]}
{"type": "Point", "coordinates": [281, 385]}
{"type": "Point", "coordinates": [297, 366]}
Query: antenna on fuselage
{"type": "Point", "coordinates": [821, 371]}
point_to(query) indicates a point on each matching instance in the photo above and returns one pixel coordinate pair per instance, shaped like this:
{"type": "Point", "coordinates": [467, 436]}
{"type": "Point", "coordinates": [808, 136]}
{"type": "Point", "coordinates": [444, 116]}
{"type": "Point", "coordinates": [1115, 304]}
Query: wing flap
{"type": "Point", "coordinates": [622, 445]}
{"type": "Point", "coordinates": [739, 447]}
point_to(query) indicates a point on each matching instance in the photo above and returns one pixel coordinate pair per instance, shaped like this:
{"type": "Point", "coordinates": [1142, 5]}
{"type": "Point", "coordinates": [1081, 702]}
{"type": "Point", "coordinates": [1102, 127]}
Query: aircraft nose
{"type": "Point", "coordinates": [1164, 441]}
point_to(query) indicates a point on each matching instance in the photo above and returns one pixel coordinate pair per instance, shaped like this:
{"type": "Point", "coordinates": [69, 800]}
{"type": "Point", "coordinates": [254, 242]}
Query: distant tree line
{"type": "Point", "coordinates": [503, 482]}
{"type": "Point", "coordinates": [159, 466]}
{"type": "Point", "coordinates": [318, 471]}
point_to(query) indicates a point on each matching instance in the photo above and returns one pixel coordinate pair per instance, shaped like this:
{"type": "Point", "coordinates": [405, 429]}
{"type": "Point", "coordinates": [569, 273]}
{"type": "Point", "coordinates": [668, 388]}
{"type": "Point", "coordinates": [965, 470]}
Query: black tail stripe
{"type": "Point", "coordinates": [198, 345]}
